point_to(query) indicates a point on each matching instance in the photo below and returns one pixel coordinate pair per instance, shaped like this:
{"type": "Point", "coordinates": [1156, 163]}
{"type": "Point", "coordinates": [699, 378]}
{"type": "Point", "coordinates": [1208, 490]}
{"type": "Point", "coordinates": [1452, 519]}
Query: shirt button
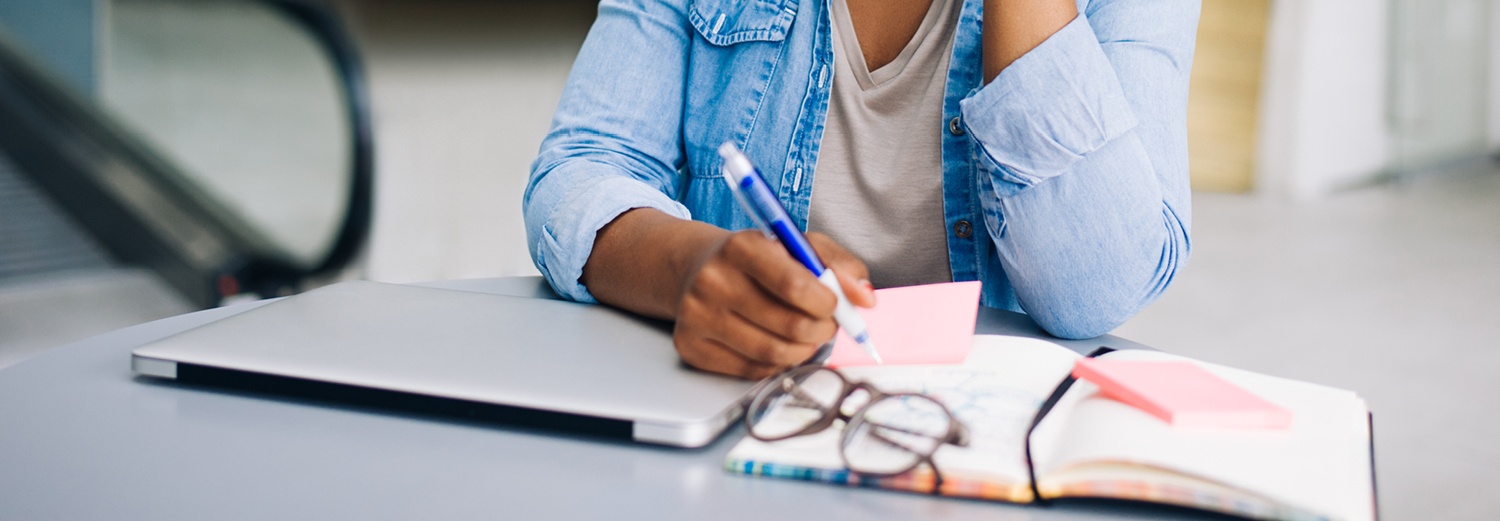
{"type": "Point", "coordinates": [963, 229]}
{"type": "Point", "coordinates": [954, 127]}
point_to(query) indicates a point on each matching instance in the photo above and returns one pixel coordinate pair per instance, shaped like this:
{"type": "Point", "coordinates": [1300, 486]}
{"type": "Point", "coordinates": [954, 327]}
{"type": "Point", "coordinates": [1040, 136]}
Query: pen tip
{"type": "Point", "coordinates": [869, 347]}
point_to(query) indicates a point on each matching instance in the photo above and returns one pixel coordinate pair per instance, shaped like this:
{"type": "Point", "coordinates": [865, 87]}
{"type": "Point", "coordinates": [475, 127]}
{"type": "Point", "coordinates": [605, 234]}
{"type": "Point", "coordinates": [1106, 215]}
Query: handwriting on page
{"type": "Point", "coordinates": [929, 324]}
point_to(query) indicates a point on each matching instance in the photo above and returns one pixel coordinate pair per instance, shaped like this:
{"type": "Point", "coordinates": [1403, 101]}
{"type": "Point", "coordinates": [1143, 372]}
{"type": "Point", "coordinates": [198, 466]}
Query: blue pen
{"type": "Point", "coordinates": [751, 191]}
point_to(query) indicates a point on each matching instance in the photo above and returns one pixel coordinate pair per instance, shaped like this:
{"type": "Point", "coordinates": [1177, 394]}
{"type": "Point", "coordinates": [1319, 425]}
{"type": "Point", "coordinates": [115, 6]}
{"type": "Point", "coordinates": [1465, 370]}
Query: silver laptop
{"type": "Point", "coordinates": [477, 356]}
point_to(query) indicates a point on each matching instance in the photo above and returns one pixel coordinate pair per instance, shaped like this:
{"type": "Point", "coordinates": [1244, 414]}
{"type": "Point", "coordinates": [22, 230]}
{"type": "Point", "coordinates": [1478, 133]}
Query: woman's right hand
{"type": "Point", "coordinates": [743, 306]}
{"type": "Point", "coordinates": [751, 310]}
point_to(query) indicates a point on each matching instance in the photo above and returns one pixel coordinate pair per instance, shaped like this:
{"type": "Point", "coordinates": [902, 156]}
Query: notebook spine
{"type": "Point", "coordinates": [1041, 413]}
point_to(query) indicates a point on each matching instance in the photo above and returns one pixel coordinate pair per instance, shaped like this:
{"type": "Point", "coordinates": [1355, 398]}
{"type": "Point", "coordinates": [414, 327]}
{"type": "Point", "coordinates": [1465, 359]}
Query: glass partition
{"type": "Point", "coordinates": [1439, 82]}
{"type": "Point", "coordinates": [247, 103]}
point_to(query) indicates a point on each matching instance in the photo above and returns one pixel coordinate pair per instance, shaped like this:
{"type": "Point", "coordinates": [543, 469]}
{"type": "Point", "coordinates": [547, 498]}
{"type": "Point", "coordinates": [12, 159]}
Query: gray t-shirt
{"type": "Point", "coordinates": [878, 187]}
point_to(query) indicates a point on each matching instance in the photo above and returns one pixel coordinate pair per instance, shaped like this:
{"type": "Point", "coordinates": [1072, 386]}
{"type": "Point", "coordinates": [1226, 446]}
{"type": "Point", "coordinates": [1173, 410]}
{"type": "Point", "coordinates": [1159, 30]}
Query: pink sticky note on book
{"type": "Point", "coordinates": [929, 324]}
{"type": "Point", "coordinates": [1182, 394]}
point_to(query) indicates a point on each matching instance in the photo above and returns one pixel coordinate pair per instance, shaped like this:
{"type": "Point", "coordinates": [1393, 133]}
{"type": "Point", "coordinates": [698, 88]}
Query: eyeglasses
{"type": "Point", "coordinates": [886, 435]}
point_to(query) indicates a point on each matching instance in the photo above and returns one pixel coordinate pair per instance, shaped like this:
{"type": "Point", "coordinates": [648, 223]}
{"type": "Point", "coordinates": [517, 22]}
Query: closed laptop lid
{"type": "Point", "coordinates": [535, 354]}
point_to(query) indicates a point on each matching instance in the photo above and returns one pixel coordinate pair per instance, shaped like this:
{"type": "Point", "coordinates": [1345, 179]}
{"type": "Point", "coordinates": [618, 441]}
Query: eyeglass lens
{"type": "Point", "coordinates": [890, 435]}
{"type": "Point", "coordinates": [894, 434]}
{"type": "Point", "coordinates": [794, 402]}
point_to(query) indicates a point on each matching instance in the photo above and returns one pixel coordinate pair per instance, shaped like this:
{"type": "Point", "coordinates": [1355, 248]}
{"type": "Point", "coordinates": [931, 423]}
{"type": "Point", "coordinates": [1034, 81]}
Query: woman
{"type": "Point", "coordinates": [1036, 145]}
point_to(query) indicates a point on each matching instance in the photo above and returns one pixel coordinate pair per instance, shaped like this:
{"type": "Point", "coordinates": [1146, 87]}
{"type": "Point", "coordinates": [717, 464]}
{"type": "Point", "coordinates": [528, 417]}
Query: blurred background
{"type": "Point", "coordinates": [163, 156]}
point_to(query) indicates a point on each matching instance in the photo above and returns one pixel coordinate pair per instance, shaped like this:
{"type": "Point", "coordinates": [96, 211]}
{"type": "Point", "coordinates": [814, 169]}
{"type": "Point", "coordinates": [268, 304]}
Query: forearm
{"type": "Point", "coordinates": [642, 261]}
{"type": "Point", "coordinates": [1013, 28]}
{"type": "Point", "coordinates": [742, 306]}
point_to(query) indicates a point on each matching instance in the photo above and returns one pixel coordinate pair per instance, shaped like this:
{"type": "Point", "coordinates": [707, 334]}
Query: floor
{"type": "Point", "coordinates": [45, 311]}
{"type": "Point", "coordinates": [57, 284]}
{"type": "Point", "coordinates": [1391, 291]}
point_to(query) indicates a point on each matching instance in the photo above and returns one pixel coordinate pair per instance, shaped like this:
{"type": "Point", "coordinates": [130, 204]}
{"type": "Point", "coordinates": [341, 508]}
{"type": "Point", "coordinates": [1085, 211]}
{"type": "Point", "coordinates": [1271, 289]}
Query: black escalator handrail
{"type": "Point", "coordinates": [147, 212]}
{"type": "Point", "coordinates": [134, 202]}
{"type": "Point", "coordinates": [328, 32]}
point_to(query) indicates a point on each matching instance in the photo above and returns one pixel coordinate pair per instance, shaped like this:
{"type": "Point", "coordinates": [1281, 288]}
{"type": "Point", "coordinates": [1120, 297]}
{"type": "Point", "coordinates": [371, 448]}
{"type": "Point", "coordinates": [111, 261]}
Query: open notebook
{"type": "Point", "coordinates": [1087, 445]}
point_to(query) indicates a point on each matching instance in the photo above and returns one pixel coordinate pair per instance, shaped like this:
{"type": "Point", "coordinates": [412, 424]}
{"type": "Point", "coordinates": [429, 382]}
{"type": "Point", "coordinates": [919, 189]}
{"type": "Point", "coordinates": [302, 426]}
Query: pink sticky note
{"type": "Point", "coordinates": [1182, 394]}
{"type": "Point", "coordinates": [930, 324]}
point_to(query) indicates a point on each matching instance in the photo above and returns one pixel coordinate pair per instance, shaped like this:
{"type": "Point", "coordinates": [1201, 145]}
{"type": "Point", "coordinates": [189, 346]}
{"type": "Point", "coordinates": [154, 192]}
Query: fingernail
{"type": "Point", "coordinates": [869, 288]}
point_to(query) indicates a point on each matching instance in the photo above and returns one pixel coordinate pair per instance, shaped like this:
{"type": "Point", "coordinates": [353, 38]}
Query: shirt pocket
{"type": "Point", "coordinates": [728, 22]}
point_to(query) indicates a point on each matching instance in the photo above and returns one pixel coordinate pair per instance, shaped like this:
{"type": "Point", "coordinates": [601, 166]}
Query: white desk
{"type": "Point", "coordinates": [82, 438]}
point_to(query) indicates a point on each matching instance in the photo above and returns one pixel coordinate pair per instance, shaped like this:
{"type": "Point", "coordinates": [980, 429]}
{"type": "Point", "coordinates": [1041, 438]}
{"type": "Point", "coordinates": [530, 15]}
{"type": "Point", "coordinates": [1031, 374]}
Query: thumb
{"type": "Point", "coordinates": [853, 275]}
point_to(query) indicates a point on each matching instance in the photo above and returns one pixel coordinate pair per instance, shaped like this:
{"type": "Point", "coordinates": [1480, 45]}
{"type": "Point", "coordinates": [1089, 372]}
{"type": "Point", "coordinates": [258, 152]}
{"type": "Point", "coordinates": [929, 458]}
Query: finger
{"type": "Point", "coordinates": [781, 276]}
{"type": "Point", "coordinates": [760, 345]}
{"type": "Point", "coordinates": [715, 316]}
{"type": "Point", "coordinates": [788, 324]}
{"type": "Point", "coordinates": [853, 275]}
{"type": "Point", "coordinates": [716, 357]}
{"type": "Point", "coordinates": [732, 309]}
{"type": "Point", "coordinates": [721, 288]}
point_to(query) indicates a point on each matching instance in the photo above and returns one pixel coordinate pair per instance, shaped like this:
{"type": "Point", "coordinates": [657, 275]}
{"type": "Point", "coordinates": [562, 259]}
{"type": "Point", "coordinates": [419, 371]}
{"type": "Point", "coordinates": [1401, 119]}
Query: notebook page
{"type": "Point", "coordinates": [1320, 464]}
{"type": "Point", "coordinates": [995, 392]}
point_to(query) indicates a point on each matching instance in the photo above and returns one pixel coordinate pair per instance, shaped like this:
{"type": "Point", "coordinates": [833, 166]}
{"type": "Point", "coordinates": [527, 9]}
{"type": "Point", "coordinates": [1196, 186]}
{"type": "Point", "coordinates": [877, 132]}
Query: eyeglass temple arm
{"type": "Point", "coordinates": [937, 475]}
{"type": "Point", "coordinates": [957, 435]}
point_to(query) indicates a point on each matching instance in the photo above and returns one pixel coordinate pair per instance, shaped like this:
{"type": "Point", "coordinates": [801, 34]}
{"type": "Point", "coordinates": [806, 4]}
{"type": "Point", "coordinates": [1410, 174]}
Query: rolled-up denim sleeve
{"type": "Point", "coordinates": [615, 141]}
{"type": "Point", "coordinates": [1084, 142]}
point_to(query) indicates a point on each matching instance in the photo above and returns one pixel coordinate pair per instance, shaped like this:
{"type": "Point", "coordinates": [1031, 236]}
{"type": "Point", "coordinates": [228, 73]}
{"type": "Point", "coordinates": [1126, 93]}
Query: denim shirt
{"type": "Point", "coordinates": [1064, 179]}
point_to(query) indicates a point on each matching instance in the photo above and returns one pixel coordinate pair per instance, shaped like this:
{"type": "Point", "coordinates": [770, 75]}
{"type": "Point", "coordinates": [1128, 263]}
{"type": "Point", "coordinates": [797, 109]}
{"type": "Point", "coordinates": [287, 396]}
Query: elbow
{"type": "Point", "coordinates": [1078, 308]}
{"type": "Point", "coordinates": [538, 203]}
{"type": "Point", "coordinates": [1082, 322]}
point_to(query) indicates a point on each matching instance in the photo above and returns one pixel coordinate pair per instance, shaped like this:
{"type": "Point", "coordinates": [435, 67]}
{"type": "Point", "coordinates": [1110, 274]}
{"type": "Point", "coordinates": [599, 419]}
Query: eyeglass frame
{"type": "Point", "coordinates": [957, 433]}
